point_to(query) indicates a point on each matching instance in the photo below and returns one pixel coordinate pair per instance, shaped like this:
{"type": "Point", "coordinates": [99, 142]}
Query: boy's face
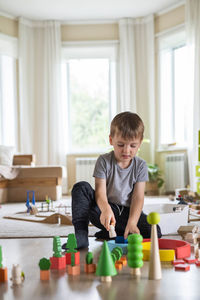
{"type": "Point", "coordinates": [124, 149]}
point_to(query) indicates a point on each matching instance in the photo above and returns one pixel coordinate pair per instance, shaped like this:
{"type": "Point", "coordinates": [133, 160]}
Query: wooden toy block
{"type": "Point", "coordinates": [121, 240]}
{"type": "Point", "coordinates": [76, 257]}
{"type": "Point", "coordinates": [190, 260]}
{"type": "Point", "coordinates": [185, 229]}
{"type": "Point", "coordinates": [73, 270]}
{"type": "Point", "coordinates": [182, 248]}
{"type": "Point", "coordinates": [3, 274]}
{"type": "Point", "coordinates": [178, 262]}
{"type": "Point", "coordinates": [182, 267]}
{"type": "Point", "coordinates": [90, 268]}
{"type": "Point", "coordinates": [112, 233]}
{"type": "Point", "coordinates": [165, 254]}
{"type": "Point", "coordinates": [118, 265]}
{"type": "Point", "coordinates": [197, 263]}
{"type": "Point", "coordinates": [190, 237]}
{"type": "Point", "coordinates": [123, 259]}
{"type": "Point", "coordinates": [44, 274]}
{"type": "Point", "coordinates": [58, 263]}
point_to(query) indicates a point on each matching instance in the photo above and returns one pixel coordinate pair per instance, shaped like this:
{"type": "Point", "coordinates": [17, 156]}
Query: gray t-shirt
{"type": "Point", "coordinates": [120, 182]}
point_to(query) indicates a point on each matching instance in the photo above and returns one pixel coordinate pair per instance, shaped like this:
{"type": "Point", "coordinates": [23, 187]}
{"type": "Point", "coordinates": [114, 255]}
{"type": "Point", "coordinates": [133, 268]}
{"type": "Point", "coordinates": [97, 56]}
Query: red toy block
{"type": "Point", "coordinates": [58, 262]}
{"type": "Point", "coordinates": [182, 268]}
{"type": "Point", "coordinates": [190, 260]}
{"type": "Point", "coordinates": [182, 248]}
{"type": "Point", "coordinates": [3, 274]}
{"type": "Point", "coordinates": [178, 262]}
{"type": "Point", "coordinates": [76, 258]}
{"type": "Point", "coordinates": [197, 263]}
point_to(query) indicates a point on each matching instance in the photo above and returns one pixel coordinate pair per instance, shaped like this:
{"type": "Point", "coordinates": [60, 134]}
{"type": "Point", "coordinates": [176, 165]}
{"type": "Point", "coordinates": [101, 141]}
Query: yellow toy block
{"type": "Point", "coordinates": [165, 254]}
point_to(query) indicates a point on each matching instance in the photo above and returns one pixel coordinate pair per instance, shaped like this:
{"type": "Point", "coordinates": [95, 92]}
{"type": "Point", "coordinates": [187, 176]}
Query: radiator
{"type": "Point", "coordinates": [85, 168]}
{"type": "Point", "coordinates": [176, 172]}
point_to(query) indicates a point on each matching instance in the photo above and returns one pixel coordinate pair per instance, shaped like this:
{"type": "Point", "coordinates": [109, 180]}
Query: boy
{"type": "Point", "coordinates": [120, 178]}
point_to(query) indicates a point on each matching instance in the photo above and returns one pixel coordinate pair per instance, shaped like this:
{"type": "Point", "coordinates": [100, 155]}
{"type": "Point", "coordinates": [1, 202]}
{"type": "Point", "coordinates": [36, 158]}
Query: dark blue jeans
{"type": "Point", "coordinates": [85, 209]}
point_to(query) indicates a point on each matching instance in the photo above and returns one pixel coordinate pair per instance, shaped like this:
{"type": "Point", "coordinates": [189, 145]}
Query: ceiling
{"type": "Point", "coordinates": [87, 10]}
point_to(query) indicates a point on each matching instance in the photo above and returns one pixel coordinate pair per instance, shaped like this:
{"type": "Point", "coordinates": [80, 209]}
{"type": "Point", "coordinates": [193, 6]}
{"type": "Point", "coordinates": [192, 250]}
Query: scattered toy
{"type": "Point", "coordinates": [17, 275]}
{"type": "Point", "coordinates": [89, 267]}
{"type": "Point", "coordinates": [154, 265]}
{"type": "Point", "coordinates": [105, 267]}
{"type": "Point", "coordinates": [57, 260]}
{"type": "Point", "coordinates": [135, 254]}
{"type": "Point", "coordinates": [44, 265]}
{"type": "Point", "coordinates": [3, 270]}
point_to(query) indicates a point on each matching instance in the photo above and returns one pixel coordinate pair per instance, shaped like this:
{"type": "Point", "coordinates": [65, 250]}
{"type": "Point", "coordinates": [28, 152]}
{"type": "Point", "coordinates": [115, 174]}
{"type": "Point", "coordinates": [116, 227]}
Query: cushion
{"type": "Point", "coordinates": [6, 155]}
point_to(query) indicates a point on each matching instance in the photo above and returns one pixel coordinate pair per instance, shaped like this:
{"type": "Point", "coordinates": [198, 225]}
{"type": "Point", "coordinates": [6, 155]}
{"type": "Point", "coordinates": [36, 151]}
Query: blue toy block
{"type": "Point", "coordinates": [112, 244]}
{"type": "Point", "coordinates": [121, 240]}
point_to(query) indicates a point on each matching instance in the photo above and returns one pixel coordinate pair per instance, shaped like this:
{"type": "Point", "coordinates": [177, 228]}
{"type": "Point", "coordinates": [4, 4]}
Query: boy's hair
{"type": "Point", "coordinates": [128, 124]}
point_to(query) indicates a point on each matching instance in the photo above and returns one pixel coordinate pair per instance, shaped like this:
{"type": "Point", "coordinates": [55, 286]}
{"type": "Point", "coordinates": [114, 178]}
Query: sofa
{"type": "Point", "coordinates": [44, 180]}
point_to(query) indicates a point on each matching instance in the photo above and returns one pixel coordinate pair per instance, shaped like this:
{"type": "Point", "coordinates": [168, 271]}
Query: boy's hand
{"type": "Point", "coordinates": [130, 228]}
{"type": "Point", "coordinates": [107, 217]}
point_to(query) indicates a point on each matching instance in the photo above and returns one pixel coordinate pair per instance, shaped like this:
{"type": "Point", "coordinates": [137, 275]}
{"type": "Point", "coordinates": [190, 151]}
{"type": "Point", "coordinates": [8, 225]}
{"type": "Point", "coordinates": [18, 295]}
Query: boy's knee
{"type": "Point", "coordinates": [80, 185]}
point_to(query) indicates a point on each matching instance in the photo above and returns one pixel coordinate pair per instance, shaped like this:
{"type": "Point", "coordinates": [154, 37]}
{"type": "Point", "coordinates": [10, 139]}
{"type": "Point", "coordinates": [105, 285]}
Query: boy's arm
{"type": "Point", "coordinates": [137, 203]}
{"type": "Point", "coordinates": [107, 216]}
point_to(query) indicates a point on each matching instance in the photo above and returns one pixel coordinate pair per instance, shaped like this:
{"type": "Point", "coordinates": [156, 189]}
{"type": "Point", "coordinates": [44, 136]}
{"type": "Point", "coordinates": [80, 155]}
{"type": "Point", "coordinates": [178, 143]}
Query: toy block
{"type": "Point", "coordinates": [112, 233]}
{"type": "Point", "coordinates": [3, 274]}
{"type": "Point", "coordinates": [190, 260]}
{"type": "Point", "coordinates": [197, 263]}
{"type": "Point", "coordinates": [76, 257]}
{"type": "Point", "coordinates": [182, 230]}
{"type": "Point", "coordinates": [121, 240]}
{"type": "Point", "coordinates": [118, 265]}
{"type": "Point", "coordinates": [123, 259]}
{"type": "Point", "coordinates": [190, 237]}
{"type": "Point", "coordinates": [73, 270]}
{"type": "Point", "coordinates": [58, 262]}
{"type": "Point", "coordinates": [44, 274]}
{"type": "Point", "coordinates": [89, 268]}
{"type": "Point", "coordinates": [182, 267]}
{"type": "Point", "coordinates": [182, 249]}
{"type": "Point", "coordinates": [178, 262]}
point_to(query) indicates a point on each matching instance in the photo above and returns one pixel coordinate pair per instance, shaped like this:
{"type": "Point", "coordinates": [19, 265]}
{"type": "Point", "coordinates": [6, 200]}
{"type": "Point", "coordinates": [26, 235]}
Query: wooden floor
{"type": "Point", "coordinates": [28, 252]}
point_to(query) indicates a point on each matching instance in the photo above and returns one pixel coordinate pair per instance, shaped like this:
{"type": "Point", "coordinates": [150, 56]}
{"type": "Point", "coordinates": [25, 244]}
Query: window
{"type": "Point", "coordinates": [89, 80]}
{"type": "Point", "coordinates": [8, 120]}
{"type": "Point", "coordinates": [173, 90]}
{"type": "Point", "coordinates": [8, 98]}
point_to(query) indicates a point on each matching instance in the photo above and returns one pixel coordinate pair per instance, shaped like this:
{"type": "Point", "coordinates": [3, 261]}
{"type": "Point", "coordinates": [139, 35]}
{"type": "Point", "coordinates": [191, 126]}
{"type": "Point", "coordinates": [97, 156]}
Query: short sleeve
{"type": "Point", "coordinates": [142, 172]}
{"type": "Point", "coordinates": [100, 168]}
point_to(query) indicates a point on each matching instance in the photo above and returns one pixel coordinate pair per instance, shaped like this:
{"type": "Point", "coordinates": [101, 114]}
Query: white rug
{"type": "Point", "coordinates": [23, 229]}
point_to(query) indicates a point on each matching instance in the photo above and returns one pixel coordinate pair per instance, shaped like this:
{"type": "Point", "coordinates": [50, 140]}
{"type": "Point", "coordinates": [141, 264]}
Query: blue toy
{"type": "Point", "coordinates": [28, 200]}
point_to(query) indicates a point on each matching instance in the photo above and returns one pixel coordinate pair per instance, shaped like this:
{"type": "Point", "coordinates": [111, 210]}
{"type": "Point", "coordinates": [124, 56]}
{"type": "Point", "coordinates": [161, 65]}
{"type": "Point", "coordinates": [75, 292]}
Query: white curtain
{"type": "Point", "coordinates": [192, 10]}
{"type": "Point", "coordinates": [41, 130]}
{"type": "Point", "coordinates": [136, 74]}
